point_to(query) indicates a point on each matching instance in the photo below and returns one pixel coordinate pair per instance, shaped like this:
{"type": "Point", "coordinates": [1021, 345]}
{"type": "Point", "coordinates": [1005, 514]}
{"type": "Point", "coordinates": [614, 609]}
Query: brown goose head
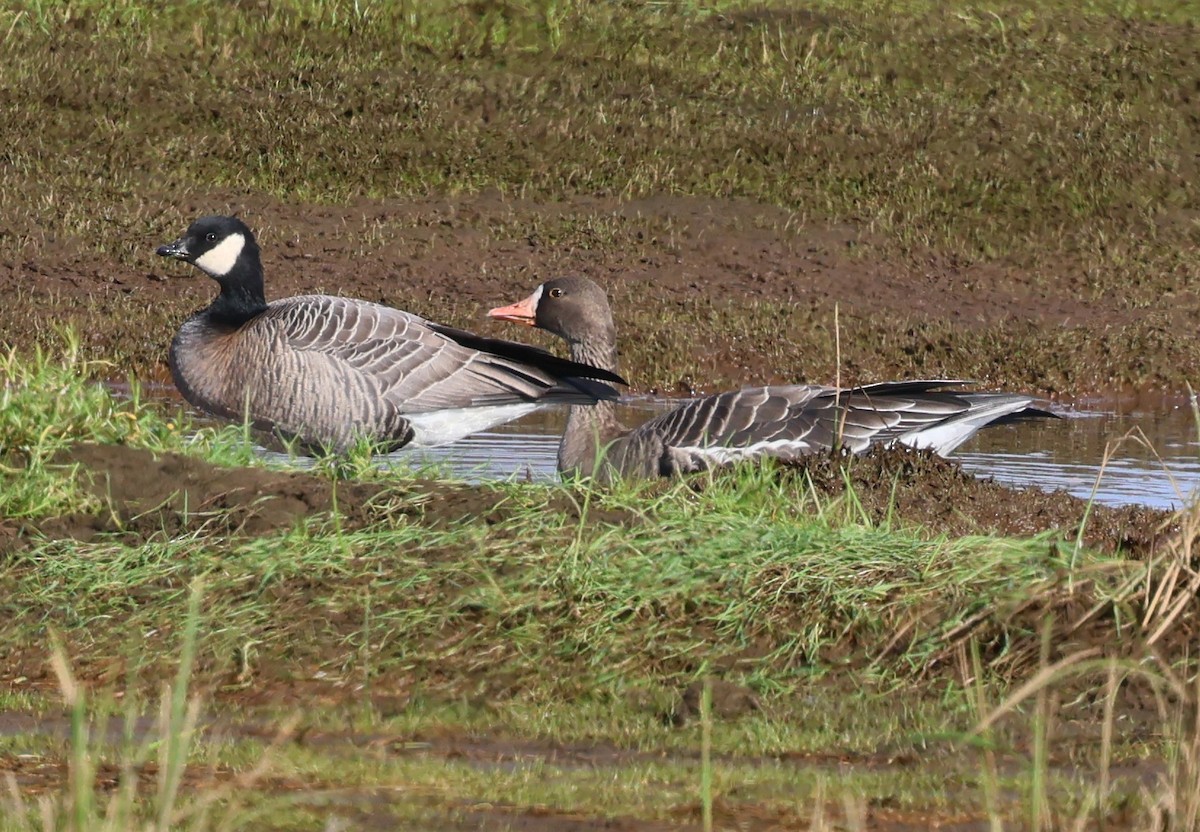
{"type": "Point", "coordinates": [573, 308]}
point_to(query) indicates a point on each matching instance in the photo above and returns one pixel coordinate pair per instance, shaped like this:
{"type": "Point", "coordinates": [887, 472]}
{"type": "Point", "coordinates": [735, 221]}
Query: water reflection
{"type": "Point", "coordinates": [1156, 464]}
{"type": "Point", "coordinates": [1147, 458]}
{"type": "Point", "coordinates": [526, 449]}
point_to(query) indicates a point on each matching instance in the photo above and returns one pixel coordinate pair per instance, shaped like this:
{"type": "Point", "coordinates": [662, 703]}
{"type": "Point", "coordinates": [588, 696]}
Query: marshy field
{"type": "Point", "coordinates": [198, 637]}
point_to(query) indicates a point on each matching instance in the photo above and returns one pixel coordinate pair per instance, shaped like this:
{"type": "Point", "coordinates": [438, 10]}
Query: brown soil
{"type": "Point", "coordinates": [141, 495]}
{"type": "Point", "coordinates": [710, 292]}
{"type": "Point", "coordinates": [663, 259]}
{"type": "Point", "coordinates": [38, 774]}
{"type": "Point", "coordinates": [903, 486]}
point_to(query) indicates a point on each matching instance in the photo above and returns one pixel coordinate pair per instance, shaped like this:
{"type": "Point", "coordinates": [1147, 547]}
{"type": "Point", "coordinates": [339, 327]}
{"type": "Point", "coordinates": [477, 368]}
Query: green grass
{"type": "Point", "coordinates": [573, 585]}
{"type": "Point", "coordinates": [573, 617]}
{"type": "Point", "coordinates": [51, 399]}
{"type": "Point", "coordinates": [978, 134]}
{"type": "Point", "coordinates": [577, 588]}
{"type": "Point", "coordinates": [801, 109]}
{"type": "Point", "coordinates": [1052, 138]}
{"type": "Point", "coordinates": [690, 587]}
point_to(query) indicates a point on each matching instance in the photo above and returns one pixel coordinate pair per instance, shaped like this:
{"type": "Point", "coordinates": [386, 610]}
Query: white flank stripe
{"type": "Point", "coordinates": [723, 454]}
{"type": "Point", "coordinates": [440, 427]}
{"type": "Point", "coordinates": [219, 260]}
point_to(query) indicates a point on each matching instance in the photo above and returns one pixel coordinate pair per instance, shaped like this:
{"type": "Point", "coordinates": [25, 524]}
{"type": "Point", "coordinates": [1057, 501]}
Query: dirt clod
{"type": "Point", "coordinates": [919, 487]}
{"type": "Point", "coordinates": [729, 701]}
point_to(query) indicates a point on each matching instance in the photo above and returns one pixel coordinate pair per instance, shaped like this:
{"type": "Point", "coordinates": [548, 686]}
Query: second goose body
{"type": "Point", "coordinates": [328, 371]}
{"type": "Point", "coordinates": [782, 421]}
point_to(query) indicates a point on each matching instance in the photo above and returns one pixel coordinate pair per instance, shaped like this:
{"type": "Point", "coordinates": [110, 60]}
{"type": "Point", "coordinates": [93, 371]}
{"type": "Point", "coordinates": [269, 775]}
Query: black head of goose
{"type": "Point", "coordinates": [782, 421]}
{"type": "Point", "coordinates": [327, 371]}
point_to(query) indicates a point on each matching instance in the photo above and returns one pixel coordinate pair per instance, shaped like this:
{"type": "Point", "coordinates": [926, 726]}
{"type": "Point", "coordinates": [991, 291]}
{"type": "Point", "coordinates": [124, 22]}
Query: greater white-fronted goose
{"type": "Point", "coordinates": [328, 371]}
{"type": "Point", "coordinates": [781, 421]}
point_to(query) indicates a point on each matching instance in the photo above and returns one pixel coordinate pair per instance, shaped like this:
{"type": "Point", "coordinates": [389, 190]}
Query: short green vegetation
{"type": "Point", "coordinates": [51, 399]}
{"type": "Point", "coordinates": [803, 108]}
{"type": "Point", "coordinates": [1057, 139]}
{"type": "Point", "coordinates": [439, 668]}
{"type": "Point", "coordinates": [195, 640]}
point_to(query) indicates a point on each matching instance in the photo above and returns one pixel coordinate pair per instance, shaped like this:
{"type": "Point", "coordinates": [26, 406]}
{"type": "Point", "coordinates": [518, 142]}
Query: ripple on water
{"type": "Point", "coordinates": [1156, 464]}
{"type": "Point", "coordinates": [1151, 457]}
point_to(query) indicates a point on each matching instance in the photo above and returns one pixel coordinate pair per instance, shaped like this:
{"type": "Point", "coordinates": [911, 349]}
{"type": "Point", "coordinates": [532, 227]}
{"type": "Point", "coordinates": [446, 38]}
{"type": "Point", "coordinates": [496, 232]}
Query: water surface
{"type": "Point", "coordinates": [1117, 452]}
{"type": "Point", "coordinates": [1146, 457]}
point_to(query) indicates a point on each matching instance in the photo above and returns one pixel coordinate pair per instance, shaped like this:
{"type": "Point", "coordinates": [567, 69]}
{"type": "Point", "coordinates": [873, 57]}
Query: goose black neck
{"type": "Point", "coordinates": [242, 296]}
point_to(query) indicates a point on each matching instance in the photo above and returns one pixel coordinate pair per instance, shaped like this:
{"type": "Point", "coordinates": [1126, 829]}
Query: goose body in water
{"type": "Point", "coordinates": [781, 421]}
{"type": "Point", "coordinates": [328, 371]}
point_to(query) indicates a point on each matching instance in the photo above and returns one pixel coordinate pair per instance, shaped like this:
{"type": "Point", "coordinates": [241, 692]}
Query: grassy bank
{"type": "Point", "coordinates": [396, 649]}
{"type": "Point", "coordinates": [534, 646]}
{"type": "Point", "coordinates": [973, 129]}
{"type": "Point", "coordinates": [973, 140]}
{"type": "Point", "coordinates": [563, 584]}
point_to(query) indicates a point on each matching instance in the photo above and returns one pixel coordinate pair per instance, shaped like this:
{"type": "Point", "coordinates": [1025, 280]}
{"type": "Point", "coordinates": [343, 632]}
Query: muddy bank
{"type": "Point", "coordinates": [770, 195]}
{"type": "Point", "coordinates": [906, 487]}
{"type": "Point", "coordinates": [934, 181]}
{"type": "Point", "coordinates": [140, 495]}
{"type": "Point", "coordinates": [709, 294]}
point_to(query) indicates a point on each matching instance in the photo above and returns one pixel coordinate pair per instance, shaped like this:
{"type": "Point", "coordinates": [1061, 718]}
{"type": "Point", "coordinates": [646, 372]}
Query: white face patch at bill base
{"type": "Point", "coordinates": [219, 260]}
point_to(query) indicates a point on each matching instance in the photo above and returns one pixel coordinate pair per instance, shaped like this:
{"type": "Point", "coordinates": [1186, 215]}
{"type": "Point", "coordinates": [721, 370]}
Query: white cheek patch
{"type": "Point", "coordinates": [535, 299]}
{"type": "Point", "coordinates": [219, 260]}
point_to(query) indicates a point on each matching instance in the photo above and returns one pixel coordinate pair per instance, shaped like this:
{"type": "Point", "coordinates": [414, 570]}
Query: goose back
{"type": "Point", "coordinates": [782, 421]}
{"type": "Point", "coordinates": [327, 371]}
{"type": "Point", "coordinates": [793, 420]}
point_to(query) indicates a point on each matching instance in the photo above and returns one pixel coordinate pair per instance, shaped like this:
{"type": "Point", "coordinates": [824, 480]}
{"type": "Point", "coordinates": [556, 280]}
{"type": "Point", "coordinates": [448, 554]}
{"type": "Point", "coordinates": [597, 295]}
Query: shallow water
{"type": "Point", "coordinates": [1119, 452]}
{"type": "Point", "coordinates": [1151, 458]}
{"type": "Point", "coordinates": [1158, 464]}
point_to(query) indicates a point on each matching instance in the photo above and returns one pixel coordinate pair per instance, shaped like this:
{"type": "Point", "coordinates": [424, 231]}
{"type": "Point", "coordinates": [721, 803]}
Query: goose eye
{"type": "Point", "coordinates": [210, 237]}
{"type": "Point", "coordinates": [556, 292]}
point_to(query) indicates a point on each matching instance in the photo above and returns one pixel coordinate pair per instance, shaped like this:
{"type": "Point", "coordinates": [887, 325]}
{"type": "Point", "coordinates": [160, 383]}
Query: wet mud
{"type": "Point", "coordinates": [919, 488]}
{"type": "Point", "coordinates": [374, 808]}
{"type": "Point", "coordinates": [712, 290]}
{"type": "Point", "coordinates": [140, 495]}
{"type": "Point", "coordinates": [709, 294]}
